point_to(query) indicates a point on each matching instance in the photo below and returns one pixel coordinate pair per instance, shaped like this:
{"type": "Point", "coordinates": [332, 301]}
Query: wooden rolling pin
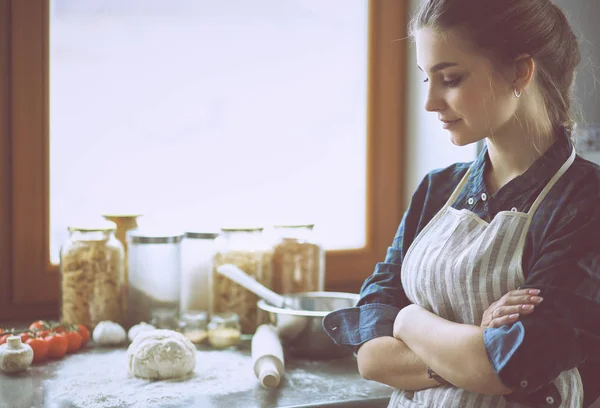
{"type": "Point", "coordinates": [267, 356]}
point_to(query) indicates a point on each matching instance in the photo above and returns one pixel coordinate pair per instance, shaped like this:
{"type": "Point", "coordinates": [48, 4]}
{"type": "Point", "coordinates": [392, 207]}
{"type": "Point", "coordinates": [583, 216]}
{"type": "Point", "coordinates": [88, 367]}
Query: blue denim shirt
{"type": "Point", "coordinates": [561, 258]}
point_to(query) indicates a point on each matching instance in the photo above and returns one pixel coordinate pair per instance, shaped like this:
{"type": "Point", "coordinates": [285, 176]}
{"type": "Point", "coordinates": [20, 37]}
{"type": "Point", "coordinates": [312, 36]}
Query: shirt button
{"type": "Point", "coordinates": [484, 196]}
{"type": "Point", "coordinates": [550, 400]}
{"type": "Point", "coordinates": [470, 201]}
{"type": "Point", "coordinates": [524, 384]}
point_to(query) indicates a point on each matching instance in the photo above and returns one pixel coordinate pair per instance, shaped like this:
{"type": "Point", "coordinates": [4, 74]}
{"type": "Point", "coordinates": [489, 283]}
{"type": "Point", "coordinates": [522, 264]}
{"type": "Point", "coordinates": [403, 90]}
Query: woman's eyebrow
{"type": "Point", "coordinates": [439, 66]}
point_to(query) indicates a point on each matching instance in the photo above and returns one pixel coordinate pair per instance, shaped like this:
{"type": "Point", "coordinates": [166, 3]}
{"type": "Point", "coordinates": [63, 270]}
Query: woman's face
{"type": "Point", "coordinates": [471, 99]}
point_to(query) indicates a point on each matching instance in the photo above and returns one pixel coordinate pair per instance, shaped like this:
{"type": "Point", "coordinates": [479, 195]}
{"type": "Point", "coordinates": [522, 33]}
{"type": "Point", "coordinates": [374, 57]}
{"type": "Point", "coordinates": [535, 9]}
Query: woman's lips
{"type": "Point", "coordinates": [447, 124]}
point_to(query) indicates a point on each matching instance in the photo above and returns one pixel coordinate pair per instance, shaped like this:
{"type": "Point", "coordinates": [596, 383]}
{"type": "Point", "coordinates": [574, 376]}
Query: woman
{"type": "Point", "coordinates": [454, 315]}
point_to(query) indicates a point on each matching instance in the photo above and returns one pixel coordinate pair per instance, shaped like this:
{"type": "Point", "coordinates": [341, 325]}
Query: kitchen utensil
{"type": "Point", "coordinates": [267, 356]}
{"type": "Point", "coordinates": [301, 326]}
{"type": "Point", "coordinates": [243, 279]}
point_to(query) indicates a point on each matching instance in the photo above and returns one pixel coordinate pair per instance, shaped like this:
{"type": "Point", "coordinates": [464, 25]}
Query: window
{"type": "Point", "coordinates": [87, 135]}
{"type": "Point", "coordinates": [209, 113]}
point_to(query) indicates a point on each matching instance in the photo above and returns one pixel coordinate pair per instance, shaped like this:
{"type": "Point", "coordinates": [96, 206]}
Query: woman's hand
{"type": "Point", "coordinates": [510, 307]}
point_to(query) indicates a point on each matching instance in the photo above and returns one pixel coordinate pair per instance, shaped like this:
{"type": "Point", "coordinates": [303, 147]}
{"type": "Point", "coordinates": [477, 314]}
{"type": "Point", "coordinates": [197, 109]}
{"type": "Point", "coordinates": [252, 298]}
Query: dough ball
{"type": "Point", "coordinates": [138, 328]}
{"type": "Point", "coordinates": [109, 333]}
{"type": "Point", "coordinates": [161, 354]}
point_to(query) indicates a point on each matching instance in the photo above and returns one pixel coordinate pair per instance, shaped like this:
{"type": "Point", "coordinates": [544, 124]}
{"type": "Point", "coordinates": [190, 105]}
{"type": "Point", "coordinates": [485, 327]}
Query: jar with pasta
{"type": "Point", "coordinates": [298, 259]}
{"type": "Point", "coordinates": [91, 275]}
{"type": "Point", "coordinates": [247, 249]}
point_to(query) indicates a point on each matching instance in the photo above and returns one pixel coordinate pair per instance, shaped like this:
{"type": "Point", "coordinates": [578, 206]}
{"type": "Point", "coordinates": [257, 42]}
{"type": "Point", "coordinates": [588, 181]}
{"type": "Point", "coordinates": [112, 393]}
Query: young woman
{"type": "Point", "coordinates": [454, 316]}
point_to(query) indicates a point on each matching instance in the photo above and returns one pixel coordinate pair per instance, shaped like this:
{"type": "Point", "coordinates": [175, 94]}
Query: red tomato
{"type": "Point", "coordinates": [57, 345]}
{"type": "Point", "coordinates": [3, 338]}
{"type": "Point", "coordinates": [39, 325]}
{"type": "Point", "coordinates": [74, 341]}
{"type": "Point", "coordinates": [43, 333]}
{"type": "Point", "coordinates": [24, 336]}
{"type": "Point", "coordinates": [40, 349]}
{"type": "Point", "coordinates": [85, 334]}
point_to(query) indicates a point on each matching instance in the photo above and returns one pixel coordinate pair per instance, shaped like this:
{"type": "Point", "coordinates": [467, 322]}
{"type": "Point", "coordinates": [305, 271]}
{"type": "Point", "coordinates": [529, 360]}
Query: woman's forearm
{"type": "Point", "coordinates": [389, 361]}
{"type": "Point", "coordinates": [454, 351]}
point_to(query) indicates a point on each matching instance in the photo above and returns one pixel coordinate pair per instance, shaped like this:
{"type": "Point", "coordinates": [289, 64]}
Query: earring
{"type": "Point", "coordinates": [517, 93]}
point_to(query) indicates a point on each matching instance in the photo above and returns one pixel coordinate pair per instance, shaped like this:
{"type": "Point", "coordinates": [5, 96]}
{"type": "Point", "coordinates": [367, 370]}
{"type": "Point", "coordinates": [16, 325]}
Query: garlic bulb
{"type": "Point", "coordinates": [139, 328]}
{"type": "Point", "coordinates": [15, 356]}
{"type": "Point", "coordinates": [109, 333]}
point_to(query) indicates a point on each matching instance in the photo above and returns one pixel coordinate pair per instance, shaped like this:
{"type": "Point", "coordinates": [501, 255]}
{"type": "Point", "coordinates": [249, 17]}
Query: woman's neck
{"type": "Point", "coordinates": [511, 154]}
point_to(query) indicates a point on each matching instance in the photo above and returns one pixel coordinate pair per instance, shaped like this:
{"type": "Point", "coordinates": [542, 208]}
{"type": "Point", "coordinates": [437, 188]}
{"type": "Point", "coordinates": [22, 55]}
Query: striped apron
{"type": "Point", "coordinates": [457, 266]}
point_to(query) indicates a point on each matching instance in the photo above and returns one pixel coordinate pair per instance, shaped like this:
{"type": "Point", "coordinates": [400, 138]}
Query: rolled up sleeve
{"type": "Point", "coordinates": [382, 297]}
{"type": "Point", "coordinates": [564, 330]}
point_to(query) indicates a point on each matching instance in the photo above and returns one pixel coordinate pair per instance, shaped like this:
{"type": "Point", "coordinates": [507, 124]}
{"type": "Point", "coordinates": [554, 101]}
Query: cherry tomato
{"type": "Point", "coordinates": [74, 341]}
{"type": "Point", "coordinates": [85, 334]}
{"type": "Point", "coordinates": [57, 345]}
{"type": "Point", "coordinates": [25, 336]}
{"type": "Point", "coordinates": [40, 349]}
{"type": "Point", "coordinates": [3, 338]}
{"type": "Point", "coordinates": [39, 325]}
{"type": "Point", "coordinates": [43, 333]}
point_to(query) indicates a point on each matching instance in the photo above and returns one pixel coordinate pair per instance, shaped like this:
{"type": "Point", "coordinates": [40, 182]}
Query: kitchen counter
{"type": "Point", "coordinates": [97, 378]}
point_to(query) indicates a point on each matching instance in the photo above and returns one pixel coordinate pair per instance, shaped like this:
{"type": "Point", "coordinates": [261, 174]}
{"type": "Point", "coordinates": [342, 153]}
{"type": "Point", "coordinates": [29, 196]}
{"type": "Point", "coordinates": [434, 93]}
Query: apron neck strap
{"type": "Point", "coordinates": [552, 182]}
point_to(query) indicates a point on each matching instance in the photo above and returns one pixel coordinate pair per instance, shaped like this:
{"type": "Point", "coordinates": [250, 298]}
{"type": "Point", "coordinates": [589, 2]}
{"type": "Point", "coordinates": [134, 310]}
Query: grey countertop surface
{"type": "Point", "coordinates": [97, 378]}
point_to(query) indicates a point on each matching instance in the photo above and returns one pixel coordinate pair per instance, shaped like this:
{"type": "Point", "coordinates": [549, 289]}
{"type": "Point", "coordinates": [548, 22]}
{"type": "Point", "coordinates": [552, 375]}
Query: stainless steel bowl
{"type": "Point", "coordinates": [300, 328]}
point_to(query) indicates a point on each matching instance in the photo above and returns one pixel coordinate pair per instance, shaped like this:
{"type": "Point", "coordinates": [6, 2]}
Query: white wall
{"type": "Point", "coordinates": [428, 146]}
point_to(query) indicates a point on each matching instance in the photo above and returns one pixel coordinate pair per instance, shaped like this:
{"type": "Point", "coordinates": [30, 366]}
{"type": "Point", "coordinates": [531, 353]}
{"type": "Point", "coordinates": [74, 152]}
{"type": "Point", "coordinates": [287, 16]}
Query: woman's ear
{"type": "Point", "coordinates": [524, 69]}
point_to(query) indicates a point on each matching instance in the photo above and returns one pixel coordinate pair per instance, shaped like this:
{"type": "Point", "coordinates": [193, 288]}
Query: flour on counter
{"type": "Point", "coordinates": [101, 381]}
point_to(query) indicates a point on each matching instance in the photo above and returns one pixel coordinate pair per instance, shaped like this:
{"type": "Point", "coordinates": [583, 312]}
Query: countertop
{"type": "Point", "coordinates": [97, 378]}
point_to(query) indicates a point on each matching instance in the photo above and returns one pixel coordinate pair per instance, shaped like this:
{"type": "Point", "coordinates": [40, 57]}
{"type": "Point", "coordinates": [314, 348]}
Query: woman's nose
{"type": "Point", "coordinates": [433, 102]}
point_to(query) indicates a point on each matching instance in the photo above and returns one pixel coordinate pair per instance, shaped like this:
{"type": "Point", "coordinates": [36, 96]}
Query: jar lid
{"type": "Point", "coordinates": [242, 229]}
{"type": "Point", "coordinates": [201, 235]}
{"type": "Point", "coordinates": [96, 226]}
{"type": "Point", "coordinates": [121, 215]}
{"type": "Point", "coordinates": [224, 317]}
{"type": "Point", "coordinates": [309, 226]}
{"type": "Point", "coordinates": [193, 316]}
{"type": "Point", "coordinates": [141, 237]}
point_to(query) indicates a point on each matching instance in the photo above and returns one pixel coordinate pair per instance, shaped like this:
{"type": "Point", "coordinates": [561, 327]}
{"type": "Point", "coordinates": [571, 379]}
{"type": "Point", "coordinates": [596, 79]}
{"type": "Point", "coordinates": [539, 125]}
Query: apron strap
{"type": "Point", "coordinates": [458, 188]}
{"type": "Point", "coordinates": [551, 183]}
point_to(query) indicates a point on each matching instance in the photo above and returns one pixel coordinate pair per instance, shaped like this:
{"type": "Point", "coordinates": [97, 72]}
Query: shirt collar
{"type": "Point", "coordinates": [540, 172]}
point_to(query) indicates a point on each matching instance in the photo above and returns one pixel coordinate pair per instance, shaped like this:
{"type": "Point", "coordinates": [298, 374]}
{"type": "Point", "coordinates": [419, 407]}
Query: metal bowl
{"type": "Point", "coordinates": [301, 327]}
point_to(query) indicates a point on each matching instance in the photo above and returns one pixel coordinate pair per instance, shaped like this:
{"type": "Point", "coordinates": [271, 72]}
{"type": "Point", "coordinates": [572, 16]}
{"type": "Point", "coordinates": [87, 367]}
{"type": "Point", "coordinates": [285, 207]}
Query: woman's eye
{"type": "Point", "coordinates": [452, 82]}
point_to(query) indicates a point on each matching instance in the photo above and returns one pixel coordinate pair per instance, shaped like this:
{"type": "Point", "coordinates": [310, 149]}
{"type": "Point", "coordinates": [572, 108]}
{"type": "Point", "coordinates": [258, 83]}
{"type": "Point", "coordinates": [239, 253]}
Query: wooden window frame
{"type": "Point", "coordinates": [29, 282]}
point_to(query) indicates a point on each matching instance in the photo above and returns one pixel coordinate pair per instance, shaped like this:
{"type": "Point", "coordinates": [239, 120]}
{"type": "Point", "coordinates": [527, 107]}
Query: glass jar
{"type": "Point", "coordinates": [166, 319]}
{"type": "Point", "coordinates": [154, 275]}
{"type": "Point", "coordinates": [197, 251]}
{"type": "Point", "coordinates": [224, 330]}
{"type": "Point", "coordinates": [124, 223]}
{"type": "Point", "coordinates": [195, 326]}
{"type": "Point", "coordinates": [298, 260]}
{"type": "Point", "coordinates": [91, 274]}
{"type": "Point", "coordinates": [249, 251]}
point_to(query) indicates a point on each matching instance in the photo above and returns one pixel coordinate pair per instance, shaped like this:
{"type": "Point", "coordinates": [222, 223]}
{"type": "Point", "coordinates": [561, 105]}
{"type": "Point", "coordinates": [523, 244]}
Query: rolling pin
{"type": "Point", "coordinates": [267, 356]}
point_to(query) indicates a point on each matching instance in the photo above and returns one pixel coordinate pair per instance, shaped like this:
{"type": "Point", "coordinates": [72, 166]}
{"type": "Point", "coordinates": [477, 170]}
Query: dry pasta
{"type": "Point", "coordinates": [228, 296]}
{"type": "Point", "coordinates": [91, 283]}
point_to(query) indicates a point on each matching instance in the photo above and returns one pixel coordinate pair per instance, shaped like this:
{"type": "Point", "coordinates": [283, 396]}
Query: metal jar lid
{"type": "Point", "coordinates": [141, 237]}
{"type": "Point", "coordinates": [201, 235]}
